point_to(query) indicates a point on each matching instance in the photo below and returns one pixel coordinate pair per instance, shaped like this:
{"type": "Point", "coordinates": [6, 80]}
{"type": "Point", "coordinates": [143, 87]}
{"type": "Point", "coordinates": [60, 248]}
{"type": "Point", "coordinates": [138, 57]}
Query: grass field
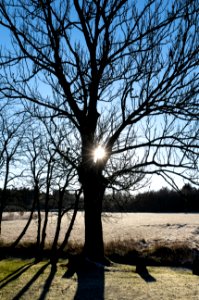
{"type": "Point", "coordinates": [21, 279]}
{"type": "Point", "coordinates": [151, 227]}
{"type": "Point", "coordinates": [161, 233]}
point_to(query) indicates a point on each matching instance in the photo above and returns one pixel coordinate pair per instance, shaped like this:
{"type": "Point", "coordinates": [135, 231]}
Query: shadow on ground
{"type": "Point", "coordinates": [144, 274]}
{"type": "Point", "coordinates": [20, 271]}
{"type": "Point", "coordinates": [14, 275]}
{"type": "Point", "coordinates": [90, 279]}
{"type": "Point", "coordinates": [31, 281]}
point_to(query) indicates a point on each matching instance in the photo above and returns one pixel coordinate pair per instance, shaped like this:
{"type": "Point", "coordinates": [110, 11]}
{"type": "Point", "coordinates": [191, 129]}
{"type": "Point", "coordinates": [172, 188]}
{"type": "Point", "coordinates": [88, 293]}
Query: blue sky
{"type": "Point", "coordinates": [157, 181]}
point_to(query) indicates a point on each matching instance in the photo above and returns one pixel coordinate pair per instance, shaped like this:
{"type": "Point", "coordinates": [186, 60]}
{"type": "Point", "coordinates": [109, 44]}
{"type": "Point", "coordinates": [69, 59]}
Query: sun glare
{"type": "Point", "coordinates": [99, 153]}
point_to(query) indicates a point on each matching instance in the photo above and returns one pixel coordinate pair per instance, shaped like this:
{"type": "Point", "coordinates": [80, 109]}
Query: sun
{"type": "Point", "coordinates": [99, 153]}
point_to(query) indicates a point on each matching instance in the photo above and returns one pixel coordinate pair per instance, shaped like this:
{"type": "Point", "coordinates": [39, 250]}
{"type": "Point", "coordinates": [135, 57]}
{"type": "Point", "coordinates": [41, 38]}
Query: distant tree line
{"type": "Point", "coordinates": [164, 200]}
{"type": "Point", "coordinates": [22, 200]}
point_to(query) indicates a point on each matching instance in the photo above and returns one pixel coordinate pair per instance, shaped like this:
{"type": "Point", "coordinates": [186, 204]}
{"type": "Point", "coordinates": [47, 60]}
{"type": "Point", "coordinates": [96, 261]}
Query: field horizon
{"type": "Point", "coordinates": [161, 237]}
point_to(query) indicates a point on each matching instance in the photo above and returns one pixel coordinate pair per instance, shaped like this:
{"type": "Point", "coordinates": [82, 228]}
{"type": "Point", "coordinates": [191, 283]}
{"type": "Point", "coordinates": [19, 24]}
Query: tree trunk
{"type": "Point", "coordinates": [1, 213]}
{"type": "Point", "coordinates": [93, 189]}
{"type": "Point", "coordinates": [26, 226]}
{"type": "Point", "coordinates": [3, 198]}
{"type": "Point", "coordinates": [46, 215]}
{"type": "Point", "coordinates": [93, 186]}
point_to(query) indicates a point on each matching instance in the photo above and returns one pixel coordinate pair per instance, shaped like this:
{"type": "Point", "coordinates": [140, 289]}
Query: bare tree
{"type": "Point", "coordinates": [119, 74]}
{"type": "Point", "coordinates": [33, 148]}
{"type": "Point", "coordinates": [65, 177]}
{"type": "Point", "coordinates": [11, 136]}
{"type": "Point", "coordinates": [49, 171]}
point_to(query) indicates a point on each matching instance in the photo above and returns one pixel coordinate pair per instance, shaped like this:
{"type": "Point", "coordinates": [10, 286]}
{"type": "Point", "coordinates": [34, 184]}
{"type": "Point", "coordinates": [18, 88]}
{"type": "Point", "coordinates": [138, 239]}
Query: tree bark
{"type": "Point", "coordinates": [94, 186]}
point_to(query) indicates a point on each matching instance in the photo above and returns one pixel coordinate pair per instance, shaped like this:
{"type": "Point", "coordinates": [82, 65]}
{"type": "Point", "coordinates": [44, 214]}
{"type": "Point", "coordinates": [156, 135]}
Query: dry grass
{"type": "Point", "coordinates": [21, 279]}
{"type": "Point", "coordinates": [162, 239]}
{"type": "Point", "coordinates": [117, 226]}
{"type": "Point", "coordinates": [20, 215]}
{"type": "Point", "coordinates": [119, 251]}
{"type": "Point", "coordinates": [157, 253]}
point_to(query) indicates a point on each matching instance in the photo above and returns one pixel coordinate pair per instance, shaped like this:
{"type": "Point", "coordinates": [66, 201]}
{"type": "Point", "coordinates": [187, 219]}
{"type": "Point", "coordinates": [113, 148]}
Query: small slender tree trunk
{"type": "Point", "coordinates": [4, 191]}
{"type": "Point", "coordinates": [3, 197]}
{"type": "Point", "coordinates": [57, 252]}
{"type": "Point", "coordinates": [36, 195]}
{"type": "Point", "coordinates": [46, 214]}
{"type": "Point", "coordinates": [1, 213]}
{"type": "Point", "coordinates": [48, 182]}
{"type": "Point", "coordinates": [59, 219]}
{"type": "Point", "coordinates": [26, 226]}
{"type": "Point", "coordinates": [54, 255]}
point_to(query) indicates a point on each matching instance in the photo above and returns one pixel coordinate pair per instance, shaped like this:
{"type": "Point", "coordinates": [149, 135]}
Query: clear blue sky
{"type": "Point", "coordinates": [157, 182]}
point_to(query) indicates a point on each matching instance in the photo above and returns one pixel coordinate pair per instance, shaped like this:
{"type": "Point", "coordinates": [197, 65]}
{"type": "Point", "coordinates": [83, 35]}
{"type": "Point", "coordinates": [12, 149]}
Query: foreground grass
{"type": "Point", "coordinates": [22, 279]}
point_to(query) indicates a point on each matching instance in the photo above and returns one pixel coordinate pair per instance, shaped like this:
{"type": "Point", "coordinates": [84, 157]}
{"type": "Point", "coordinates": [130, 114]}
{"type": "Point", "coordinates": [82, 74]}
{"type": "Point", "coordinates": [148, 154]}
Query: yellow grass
{"type": "Point", "coordinates": [21, 279]}
{"type": "Point", "coordinates": [150, 227]}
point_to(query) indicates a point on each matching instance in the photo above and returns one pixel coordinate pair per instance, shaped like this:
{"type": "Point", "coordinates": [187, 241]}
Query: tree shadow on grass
{"type": "Point", "coordinates": [142, 270]}
{"type": "Point", "coordinates": [48, 282]}
{"type": "Point", "coordinates": [14, 275]}
{"type": "Point", "coordinates": [147, 276]}
{"type": "Point", "coordinates": [17, 273]}
{"type": "Point", "coordinates": [32, 280]}
{"type": "Point", "coordinates": [90, 279]}
{"type": "Point", "coordinates": [90, 285]}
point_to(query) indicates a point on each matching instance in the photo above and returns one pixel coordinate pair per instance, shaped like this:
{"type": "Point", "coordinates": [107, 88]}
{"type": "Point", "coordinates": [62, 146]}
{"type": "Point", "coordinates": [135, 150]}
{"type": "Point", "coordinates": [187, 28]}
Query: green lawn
{"type": "Point", "coordinates": [22, 279]}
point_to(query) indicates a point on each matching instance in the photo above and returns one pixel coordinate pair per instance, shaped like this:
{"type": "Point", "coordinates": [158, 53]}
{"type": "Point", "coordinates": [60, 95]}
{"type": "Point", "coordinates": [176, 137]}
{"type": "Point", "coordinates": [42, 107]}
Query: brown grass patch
{"type": "Point", "coordinates": [122, 251]}
{"type": "Point", "coordinates": [155, 253]}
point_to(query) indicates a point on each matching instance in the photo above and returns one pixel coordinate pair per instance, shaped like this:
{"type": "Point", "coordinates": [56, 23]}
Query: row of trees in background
{"type": "Point", "coordinates": [21, 200]}
{"type": "Point", "coordinates": [164, 200]}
